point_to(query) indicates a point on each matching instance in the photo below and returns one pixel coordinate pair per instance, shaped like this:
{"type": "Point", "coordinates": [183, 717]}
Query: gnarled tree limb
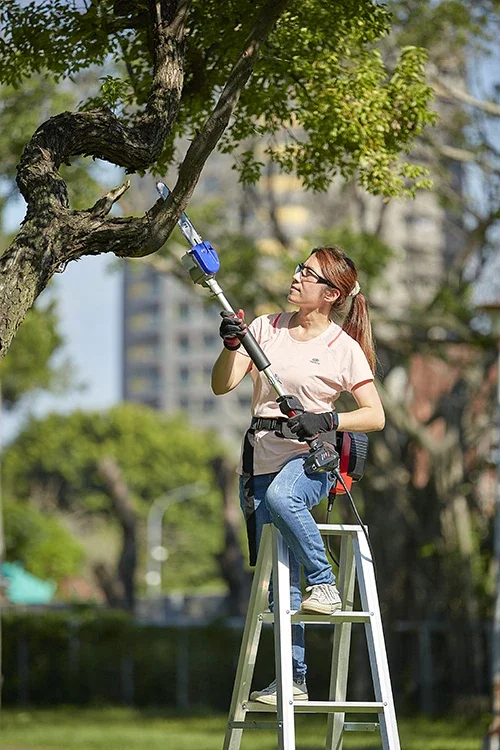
{"type": "Point", "coordinates": [52, 234]}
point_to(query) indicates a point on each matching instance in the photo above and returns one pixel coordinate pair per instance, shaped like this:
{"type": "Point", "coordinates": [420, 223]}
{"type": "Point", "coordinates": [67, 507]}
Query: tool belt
{"type": "Point", "coordinates": [279, 426]}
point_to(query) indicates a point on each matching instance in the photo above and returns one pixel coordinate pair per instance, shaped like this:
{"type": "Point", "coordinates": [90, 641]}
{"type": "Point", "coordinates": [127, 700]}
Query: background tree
{"type": "Point", "coordinates": [175, 59]}
{"type": "Point", "coordinates": [30, 366]}
{"type": "Point", "coordinates": [42, 544]}
{"type": "Point", "coordinates": [429, 489]}
{"type": "Point", "coordinates": [55, 465]}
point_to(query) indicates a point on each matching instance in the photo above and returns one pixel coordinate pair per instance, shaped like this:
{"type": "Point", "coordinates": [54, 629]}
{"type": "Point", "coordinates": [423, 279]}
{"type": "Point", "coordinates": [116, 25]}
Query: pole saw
{"type": "Point", "coordinates": [202, 263]}
{"type": "Point", "coordinates": [343, 454]}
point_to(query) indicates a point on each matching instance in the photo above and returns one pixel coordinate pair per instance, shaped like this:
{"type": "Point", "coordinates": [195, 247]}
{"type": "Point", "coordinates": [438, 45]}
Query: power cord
{"type": "Point", "coordinates": [339, 476]}
{"type": "Point", "coordinates": [328, 548]}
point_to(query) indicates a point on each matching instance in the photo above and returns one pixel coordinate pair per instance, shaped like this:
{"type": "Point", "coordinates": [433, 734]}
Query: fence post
{"type": "Point", "coordinates": [426, 668]}
{"type": "Point", "coordinates": [182, 671]}
{"type": "Point", "coordinates": [23, 669]}
{"type": "Point", "coordinates": [127, 672]}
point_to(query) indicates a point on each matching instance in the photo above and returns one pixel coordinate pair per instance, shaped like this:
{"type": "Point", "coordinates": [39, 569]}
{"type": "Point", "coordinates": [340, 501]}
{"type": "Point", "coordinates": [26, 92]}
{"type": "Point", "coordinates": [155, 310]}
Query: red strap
{"type": "Point", "coordinates": [334, 338]}
{"type": "Point", "coordinates": [275, 321]}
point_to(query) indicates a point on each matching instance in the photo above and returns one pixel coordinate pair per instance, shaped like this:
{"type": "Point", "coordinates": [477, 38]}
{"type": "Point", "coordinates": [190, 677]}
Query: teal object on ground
{"type": "Point", "coordinates": [25, 588]}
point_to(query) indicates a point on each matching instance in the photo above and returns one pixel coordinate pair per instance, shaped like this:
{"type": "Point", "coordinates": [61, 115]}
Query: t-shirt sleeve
{"type": "Point", "coordinates": [356, 370]}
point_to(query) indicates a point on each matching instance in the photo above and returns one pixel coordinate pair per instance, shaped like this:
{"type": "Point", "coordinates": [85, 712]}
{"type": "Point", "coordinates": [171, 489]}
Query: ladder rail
{"type": "Point", "coordinates": [375, 640]}
{"type": "Point", "coordinates": [250, 641]}
{"type": "Point", "coordinates": [283, 641]}
{"type": "Point", "coordinates": [342, 635]}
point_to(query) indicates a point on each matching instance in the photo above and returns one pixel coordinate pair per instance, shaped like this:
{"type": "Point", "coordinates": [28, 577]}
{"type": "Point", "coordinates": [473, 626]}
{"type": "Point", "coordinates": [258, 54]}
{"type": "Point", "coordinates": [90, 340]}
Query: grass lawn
{"type": "Point", "coordinates": [128, 729]}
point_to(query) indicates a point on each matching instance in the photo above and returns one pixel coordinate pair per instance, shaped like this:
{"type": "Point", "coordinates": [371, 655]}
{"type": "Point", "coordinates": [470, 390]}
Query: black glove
{"type": "Point", "coordinates": [289, 404]}
{"type": "Point", "coordinates": [308, 425]}
{"type": "Point", "coordinates": [232, 329]}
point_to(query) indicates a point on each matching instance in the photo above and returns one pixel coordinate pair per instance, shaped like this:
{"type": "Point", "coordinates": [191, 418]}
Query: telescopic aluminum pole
{"type": "Point", "coordinates": [247, 341]}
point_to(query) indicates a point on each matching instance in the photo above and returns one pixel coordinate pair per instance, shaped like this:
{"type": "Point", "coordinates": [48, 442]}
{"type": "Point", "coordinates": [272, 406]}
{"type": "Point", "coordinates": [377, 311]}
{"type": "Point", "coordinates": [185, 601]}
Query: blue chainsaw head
{"type": "Point", "coordinates": [206, 258]}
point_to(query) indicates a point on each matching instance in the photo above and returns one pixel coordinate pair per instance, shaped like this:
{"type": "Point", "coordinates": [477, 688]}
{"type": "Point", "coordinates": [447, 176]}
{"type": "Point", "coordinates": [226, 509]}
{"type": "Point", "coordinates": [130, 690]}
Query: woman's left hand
{"type": "Point", "coordinates": [308, 424]}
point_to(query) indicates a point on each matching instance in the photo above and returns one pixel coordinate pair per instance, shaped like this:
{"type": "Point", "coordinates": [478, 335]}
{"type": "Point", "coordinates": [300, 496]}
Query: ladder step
{"type": "Point", "coordinates": [314, 707]}
{"type": "Point", "coordinates": [349, 726]}
{"type": "Point", "coordinates": [361, 726]}
{"type": "Point", "coordinates": [316, 619]}
{"type": "Point", "coordinates": [338, 529]}
{"type": "Point", "coordinates": [250, 724]}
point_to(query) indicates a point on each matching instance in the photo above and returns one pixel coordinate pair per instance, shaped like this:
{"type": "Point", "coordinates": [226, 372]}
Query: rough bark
{"type": "Point", "coordinates": [52, 234]}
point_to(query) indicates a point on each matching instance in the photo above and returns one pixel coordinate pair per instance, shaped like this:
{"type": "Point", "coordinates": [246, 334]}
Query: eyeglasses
{"type": "Point", "coordinates": [309, 274]}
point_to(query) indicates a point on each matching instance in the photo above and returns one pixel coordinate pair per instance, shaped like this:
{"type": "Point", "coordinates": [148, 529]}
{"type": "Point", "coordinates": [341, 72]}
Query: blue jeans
{"type": "Point", "coordinates": [285, 499]}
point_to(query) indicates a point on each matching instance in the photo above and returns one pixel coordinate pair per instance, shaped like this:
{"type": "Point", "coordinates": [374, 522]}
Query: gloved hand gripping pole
{"type": "Point", "coordinates": [202, 263]}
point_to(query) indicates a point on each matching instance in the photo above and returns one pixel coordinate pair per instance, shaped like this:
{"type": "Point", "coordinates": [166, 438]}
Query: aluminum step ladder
{"type": "Point", "coordinates": [355, 563]}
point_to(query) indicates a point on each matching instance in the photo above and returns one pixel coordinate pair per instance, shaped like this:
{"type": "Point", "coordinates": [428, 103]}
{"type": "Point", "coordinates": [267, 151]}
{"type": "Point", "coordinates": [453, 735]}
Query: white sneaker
{"type": "Point", "coordinates": [269, 694]}
{"type": "Point", "coordinates": [323, 599]}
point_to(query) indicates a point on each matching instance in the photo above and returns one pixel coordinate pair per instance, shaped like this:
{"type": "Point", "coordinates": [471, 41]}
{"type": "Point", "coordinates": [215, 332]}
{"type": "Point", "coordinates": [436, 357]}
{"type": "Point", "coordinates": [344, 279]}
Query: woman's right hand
{"type": "Point", "coordinates": [232, 329]}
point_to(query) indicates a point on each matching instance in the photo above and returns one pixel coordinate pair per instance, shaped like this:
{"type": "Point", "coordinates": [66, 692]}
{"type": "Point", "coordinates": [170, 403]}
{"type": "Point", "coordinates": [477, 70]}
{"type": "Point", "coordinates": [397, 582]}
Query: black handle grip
{"type": "Point", "coordinates": [255, 352]}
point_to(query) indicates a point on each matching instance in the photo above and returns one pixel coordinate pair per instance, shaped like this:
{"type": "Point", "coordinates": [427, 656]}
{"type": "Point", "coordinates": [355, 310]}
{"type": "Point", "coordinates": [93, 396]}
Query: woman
{"type": "Point", "coordinates": [315, 359]}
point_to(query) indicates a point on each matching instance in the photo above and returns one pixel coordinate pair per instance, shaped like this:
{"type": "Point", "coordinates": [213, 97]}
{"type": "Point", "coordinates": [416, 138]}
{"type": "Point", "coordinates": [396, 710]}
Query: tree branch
{"type": "Point", "coordinates": [101, 134]}
{"type": "Point", "coordinates": [450, 92]}
{"type": "Point", "coordinates": [105, 204]}
{"type": "Point", "coordinates": [52, 234]}
{"type": "Point", "coordinates": [163, 218]}
{"type": "Point", "coordinates": [139, 237]}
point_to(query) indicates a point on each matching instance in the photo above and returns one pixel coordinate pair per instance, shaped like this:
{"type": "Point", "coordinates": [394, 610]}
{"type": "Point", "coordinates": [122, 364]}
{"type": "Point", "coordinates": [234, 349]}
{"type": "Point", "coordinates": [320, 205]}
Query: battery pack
{"type": "Point", "coordinates": [205, 256]}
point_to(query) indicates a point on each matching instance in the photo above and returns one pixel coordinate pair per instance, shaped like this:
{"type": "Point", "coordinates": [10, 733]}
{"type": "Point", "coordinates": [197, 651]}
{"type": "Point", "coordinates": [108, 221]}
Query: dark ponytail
{"type": "Point", "coordinates": [357, 324]}
{"type": "Point", "coordinates": [341, 272]}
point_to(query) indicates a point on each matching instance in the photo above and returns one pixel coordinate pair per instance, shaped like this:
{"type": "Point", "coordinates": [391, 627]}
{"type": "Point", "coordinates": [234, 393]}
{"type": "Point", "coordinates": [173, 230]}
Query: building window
{"type": "Point", "coordinates": [138, 386]}
{"type": "Point", "coordinates": [245, 402]}
{"type": "Point", "coordinates": [211, 312]}
{"type": "Point", "coordinates": [184, 404]}
{"type": "Point", "coordinates": [184, 310]}
{"type": "Point", "coordinates": [143, 287]}
{"type": "Point", "coordinates": [183, 342]}
{"type": "Point", "coordinates": [184, 374]}
{"type": "Point", "coordinates": [142, 353]}
{"type": "Point", "coordinates": [142, 322]}
{"type": "Point", "coordinates": [210, 340]}
{"type": "Point", "coordinates": [208, 405]}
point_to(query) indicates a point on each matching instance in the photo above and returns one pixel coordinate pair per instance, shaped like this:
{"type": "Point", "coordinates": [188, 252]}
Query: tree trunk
{"type": "Point", "coordinates": [122, 505]}
{"type": "Point", "coordinates": [231, 561]}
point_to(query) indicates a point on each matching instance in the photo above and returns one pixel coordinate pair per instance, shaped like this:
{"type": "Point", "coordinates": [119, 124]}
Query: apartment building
{"type": "Point", "coordinates": [170, 343]}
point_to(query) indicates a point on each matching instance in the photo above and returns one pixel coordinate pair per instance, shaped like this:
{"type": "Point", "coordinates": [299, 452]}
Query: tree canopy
{"type": "Point", "coordinates": [53, 465]}
{"type": "Point", "coordinates": [305, 78]}
{"type": "Point", "coordinates": [45, 547]}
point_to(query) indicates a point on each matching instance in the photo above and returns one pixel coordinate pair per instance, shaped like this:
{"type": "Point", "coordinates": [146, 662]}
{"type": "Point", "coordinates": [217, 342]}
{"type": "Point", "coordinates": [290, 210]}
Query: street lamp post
{"type": "Point", "coordinates": [493, 739]}
{"type": "Point", "coordinates": [157, 554]}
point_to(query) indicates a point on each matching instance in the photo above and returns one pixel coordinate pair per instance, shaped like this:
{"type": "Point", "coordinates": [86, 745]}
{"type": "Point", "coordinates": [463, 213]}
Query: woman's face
{"type": "Point", "coordinates": [309, 287]}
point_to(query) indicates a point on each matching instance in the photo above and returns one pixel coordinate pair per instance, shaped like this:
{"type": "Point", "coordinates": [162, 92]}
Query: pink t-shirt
{"type": "Point", "coordinates": [315, 371]}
